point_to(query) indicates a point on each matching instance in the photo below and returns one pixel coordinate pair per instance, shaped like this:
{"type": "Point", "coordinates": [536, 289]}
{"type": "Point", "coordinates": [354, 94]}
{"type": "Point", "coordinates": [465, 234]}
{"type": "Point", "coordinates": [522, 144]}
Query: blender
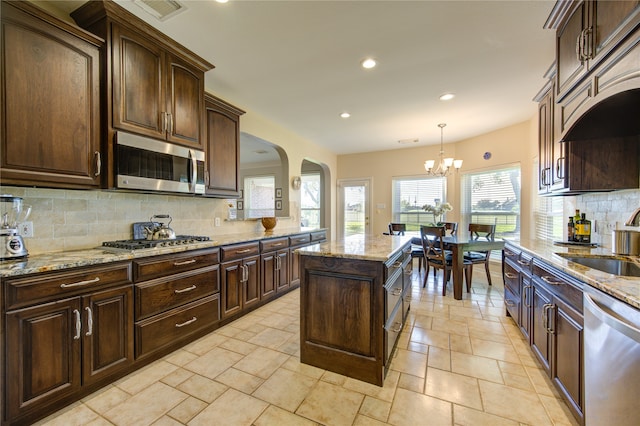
{"type": "Point", "coordinates": [12, 212]}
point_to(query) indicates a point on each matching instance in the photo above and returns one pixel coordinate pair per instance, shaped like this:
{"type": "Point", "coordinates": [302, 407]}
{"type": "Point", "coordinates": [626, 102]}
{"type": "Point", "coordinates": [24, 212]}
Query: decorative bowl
{"type": "Point", "coordinates": [269, 223]}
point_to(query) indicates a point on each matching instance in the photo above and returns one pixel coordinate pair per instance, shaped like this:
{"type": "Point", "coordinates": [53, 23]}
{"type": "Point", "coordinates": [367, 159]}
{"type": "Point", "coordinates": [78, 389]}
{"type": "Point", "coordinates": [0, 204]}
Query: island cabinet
{"type": "Point", "coordinates": [274, 266]}
{"type": "Point", "coordinates": [351, 312]}
{"type": "Point", "coordinates": [177, 298]}
{"type": "Point", "coordinates": [51, 121]}
{"type": "Point", "coordinates": [240, 277]}
{"type": "Point", "coordinates": [65, 334]}
{"type": "Point", "coordinates": [222, 146]}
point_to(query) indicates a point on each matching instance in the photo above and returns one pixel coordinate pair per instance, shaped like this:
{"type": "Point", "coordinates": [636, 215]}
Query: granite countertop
{"type": "Point", "coordinates": [94, 256]}
{"type": "Point", "coordinates": [363, 247]}
{"type": "Point", "coordinates": [623, 288]}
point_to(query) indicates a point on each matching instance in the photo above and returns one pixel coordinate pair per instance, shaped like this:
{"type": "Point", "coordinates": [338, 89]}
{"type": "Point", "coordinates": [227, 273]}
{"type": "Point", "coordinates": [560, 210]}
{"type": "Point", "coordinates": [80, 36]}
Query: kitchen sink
{"type": "Point", "coordinates": [607, 264]}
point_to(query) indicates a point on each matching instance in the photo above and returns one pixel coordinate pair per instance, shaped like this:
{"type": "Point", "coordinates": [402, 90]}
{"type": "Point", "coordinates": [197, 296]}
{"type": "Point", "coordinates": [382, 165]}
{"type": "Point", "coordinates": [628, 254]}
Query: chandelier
{"type": "Point", "coordinates": [444, 165]}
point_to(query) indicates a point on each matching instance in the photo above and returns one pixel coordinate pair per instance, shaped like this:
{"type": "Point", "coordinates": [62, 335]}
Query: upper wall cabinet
{"type": "Point", "coordinates": [50, 92]}
{"type": "Point", "coordinates": [586, 32]}
{"type": "Point", "coordinates": [222, 146]}
{"type": "Point", "coordinates": [157, 85]}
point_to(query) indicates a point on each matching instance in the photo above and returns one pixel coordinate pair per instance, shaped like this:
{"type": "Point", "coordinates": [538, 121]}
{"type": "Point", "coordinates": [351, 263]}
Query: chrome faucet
{"type": "Point", "coordinates": [634, 219]}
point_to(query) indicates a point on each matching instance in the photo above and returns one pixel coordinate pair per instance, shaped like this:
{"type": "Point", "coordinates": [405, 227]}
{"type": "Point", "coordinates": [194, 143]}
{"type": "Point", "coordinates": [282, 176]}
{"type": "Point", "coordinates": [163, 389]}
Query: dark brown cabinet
{"type": "Point", "coordinates": [295, 242]}
{"type": "Point", "coordinates": [222, 146]}
{"type": "Point", "coordinates": [67, 341]}
{"type": "Point", "coordinates": [275, 265]}
{"type": "Point", "coordinates": [240, 277]}
{"type": "Point", "coordinates": [50, 101]}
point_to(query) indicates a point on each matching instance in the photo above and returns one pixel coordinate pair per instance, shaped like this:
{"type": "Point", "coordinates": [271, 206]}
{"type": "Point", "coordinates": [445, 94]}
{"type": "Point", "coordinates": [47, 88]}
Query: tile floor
{"type": "Point", "coordinates": [457, 363]}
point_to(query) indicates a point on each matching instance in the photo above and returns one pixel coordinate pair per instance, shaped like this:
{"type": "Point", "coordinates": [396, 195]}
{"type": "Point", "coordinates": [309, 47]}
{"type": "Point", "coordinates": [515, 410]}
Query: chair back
{"type": "Point", "coordinates": [397, 228]}
{"type": "Point", "coordinates": [451, 227]}
{"type": "Point", "coordinates": [481, 231]}
{"type": "Point", "coordinates": [432, 242]}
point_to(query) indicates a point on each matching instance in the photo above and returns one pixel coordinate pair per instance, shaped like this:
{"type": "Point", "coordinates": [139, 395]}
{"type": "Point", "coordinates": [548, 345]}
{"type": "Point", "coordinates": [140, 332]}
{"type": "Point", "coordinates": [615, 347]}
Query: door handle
{"type": "Point", "coordinates": [78, 324]}
{"type": "Point", "coordinates": [89, 321]}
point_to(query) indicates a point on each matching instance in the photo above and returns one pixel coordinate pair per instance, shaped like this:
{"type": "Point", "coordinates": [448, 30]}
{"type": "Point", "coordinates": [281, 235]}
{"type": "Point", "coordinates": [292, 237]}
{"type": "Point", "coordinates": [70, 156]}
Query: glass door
{"type": "Point", "coordinates": [354, 208]}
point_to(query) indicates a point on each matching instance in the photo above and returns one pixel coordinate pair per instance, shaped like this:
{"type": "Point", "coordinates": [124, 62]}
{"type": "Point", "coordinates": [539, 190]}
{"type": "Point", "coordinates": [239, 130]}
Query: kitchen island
{"type": "Point", "coordinates": [354, 300]}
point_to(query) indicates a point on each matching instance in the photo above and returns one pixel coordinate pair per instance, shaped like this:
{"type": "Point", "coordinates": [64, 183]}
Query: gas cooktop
{"type": "Point", "coordinates": [148, 244]}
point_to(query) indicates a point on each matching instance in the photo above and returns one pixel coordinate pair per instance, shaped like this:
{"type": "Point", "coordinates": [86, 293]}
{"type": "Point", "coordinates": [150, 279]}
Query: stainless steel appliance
{"type": "Point", "coordinates": [611, 360]}
{"type": "Point", "coordinates": [129, 245]}
{"type": "Point", "coordinates": [12, 212]}
{"type": "Point", "coordinates": [153, 165]}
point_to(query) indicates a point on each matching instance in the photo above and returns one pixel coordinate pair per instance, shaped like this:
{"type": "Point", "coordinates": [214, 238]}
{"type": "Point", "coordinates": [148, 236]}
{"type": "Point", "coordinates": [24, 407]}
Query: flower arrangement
{"type": "Point", "coordinates": [437, 209]}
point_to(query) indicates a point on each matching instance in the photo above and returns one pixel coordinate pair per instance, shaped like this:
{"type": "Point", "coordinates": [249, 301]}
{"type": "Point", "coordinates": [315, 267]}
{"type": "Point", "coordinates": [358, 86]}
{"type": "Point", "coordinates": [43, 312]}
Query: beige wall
{"type": "Point", "coordinates": [512, 145]}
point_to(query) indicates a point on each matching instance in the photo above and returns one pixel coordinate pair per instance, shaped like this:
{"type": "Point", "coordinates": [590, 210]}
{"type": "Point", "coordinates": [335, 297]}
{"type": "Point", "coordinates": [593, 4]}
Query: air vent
{"type": "Point", "coordinates": [408, 141]}
{"type": "Point", "coordinates": [161, 9]}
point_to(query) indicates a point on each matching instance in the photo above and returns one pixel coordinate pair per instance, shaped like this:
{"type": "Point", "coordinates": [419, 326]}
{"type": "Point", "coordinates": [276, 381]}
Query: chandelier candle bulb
{"type": "Point", "coordinates": [444, 164]}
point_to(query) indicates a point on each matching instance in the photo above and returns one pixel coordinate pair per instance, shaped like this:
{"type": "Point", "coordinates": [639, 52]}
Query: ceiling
{"type": "Point", "coordinates": [297, 64]}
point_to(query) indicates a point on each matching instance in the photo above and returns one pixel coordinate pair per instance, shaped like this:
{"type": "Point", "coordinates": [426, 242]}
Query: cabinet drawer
{"type": "Point", "coordinates": [44, 287]}
{"type": "Point", "coordinates": [393, 294]}
{"type": "Point", "coordinates": [154, 267]}
{"type": "Point", "coordinates": [392, 328]}
{"type": "Point", "coordinates": [238, 251]}
{"type": "Point", "coordinates": [559, 284]}
{"type": "Point", "coordinates": [164, 329]}
{"type": "Point", "coordinates": [274, 244]}
{"type": "Point", "coordinates": [297, 240]}
{"type": "Point", "coordinates": [511, 253]}
{"type": "Point", "coordinates": [158, 295]}
{"type": "Point", "coordinates": [511, 279]}
{"type": "Point", "coordinates": [512, 303]}
{"type": "Point", "coordinates": [318, 236]}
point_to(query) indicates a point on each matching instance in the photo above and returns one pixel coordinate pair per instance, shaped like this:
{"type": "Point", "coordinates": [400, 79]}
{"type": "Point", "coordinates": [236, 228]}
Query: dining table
{"type": "Point", "coordinates": [459, 244]}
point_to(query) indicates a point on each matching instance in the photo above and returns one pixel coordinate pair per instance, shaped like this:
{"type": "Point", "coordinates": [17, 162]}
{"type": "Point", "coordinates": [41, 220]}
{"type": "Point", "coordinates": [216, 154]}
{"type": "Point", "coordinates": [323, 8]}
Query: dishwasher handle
{"type": "Point", "coordinates": [611, 318]}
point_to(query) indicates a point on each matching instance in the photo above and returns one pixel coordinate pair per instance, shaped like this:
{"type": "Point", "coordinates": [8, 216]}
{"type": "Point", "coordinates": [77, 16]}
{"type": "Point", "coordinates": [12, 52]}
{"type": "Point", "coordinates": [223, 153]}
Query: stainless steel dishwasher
{"type": "Point", "coordinates": [611, 360]}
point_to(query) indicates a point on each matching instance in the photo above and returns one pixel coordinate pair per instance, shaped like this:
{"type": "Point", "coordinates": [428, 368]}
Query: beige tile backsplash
{"type": "Point", "coordinates": [75, 219]}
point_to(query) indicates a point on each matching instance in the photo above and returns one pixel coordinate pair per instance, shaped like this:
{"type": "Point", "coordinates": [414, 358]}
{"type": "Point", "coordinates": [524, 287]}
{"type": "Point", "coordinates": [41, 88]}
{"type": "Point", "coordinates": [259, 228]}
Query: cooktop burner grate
{"type": "Point", "coordinates": [147, 244]}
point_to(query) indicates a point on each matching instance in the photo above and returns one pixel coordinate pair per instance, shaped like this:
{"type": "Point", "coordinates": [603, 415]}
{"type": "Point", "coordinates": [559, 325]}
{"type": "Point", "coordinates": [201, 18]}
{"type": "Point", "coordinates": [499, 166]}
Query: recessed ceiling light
{"type": "Point", "coordinates": [447, 96]}
{"type": "Point", "coordinates": [345, 115]}
{"type": "Point", "coordinates": [369, 63]}
{"type": "Point", "coordinates": [222, 1]}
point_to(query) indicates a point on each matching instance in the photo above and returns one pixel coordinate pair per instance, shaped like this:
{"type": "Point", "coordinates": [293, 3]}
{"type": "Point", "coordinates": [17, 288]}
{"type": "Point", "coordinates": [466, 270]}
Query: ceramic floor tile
{"type": "Point", "coordinates": [294, 364]}
{"type": "Point", "coordinates": [146, 406]}
{"type": "Point", "coordinates": [476, 366]}
{"type": "Point", "coordinates": [384, 393]}
{"type": "Point", "coordinates": [456, 388]}
{"type": "Point", "coordinates": [205, 344]}
{"type": "Point", "coordinates": [238, 346]}
{"type": "Point", "coordinates": [187, 409]}
{"type": "Point", "coordinates": [180, 357]}
{"type": "Point", "coordinates": [411, 408]}
{"type": "Point", "coordinates": [145, 377]}
{"type": "Point", "coordinates": [465, 416]}
{"type": "Point", "coordinates": [412, 383]}
{"type": "Point", "coordinates": [96, 422]}
{"type": "Point", "coordinates": [277, 416]}
{"type": "Point", "coordinates": [177, 377]}
{"type": "Point", "coordinates": [270, 338]}
{"type": "Point", "coordinates": [334, 378]}
{"type": "Point", "coordinates": [375, 408]}
{"type": "Point", "coordinates": [430, 337]}
{"type": "Point", "coordinates": [262, 362]}
{"type": "Point", "coordinates": [166, 421]}
{"type": "Point", "coordinates": [202, 388]}
{"type": "Point", "coordinates": [285, 389]}
{"type": "Point", "coordinates": [331, 405]}
{"type": "Point", "coordinates": [213, 362]}
{"type": "Point", "coordinates": [77, 414]}
{"type": "Point", "coordinates": [367, 421]}
{"type": "Point", "coordinates": [558, 411]}
{"type": "Point", "coordinates": [460, 344]}
{"type": "Point", "coordinates": [495, 350]}
{"type": "Point", "coordinates": [514, 404]}
{"type": "Point", "coordinates": [409, 362]}
{"type": "Point", "coordinates": [105, 399]}
{"type": "Point", "coordinates": [232, 408]}
{"type": "Point", "coordinates": [239, 380]}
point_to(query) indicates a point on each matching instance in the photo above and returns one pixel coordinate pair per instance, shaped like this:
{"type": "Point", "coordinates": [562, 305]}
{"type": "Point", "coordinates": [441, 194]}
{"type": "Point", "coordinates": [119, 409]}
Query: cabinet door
{"type": "Point", "coordinates": [43, 354]}
{"type": "Point", "coordinates": [283, 270]}
{"type": "Point", "coordinates": [107, 332]}
{"type": "Point", "coordinates": [50, 93]}
{"type": "Point", "coordinates": [251, 290]}
{"type": "Point", "coordinates": [138, 84]}
{"type": "Point", "coordinates": [231, 276]}
{"type": "Point", "coordinates": [223, 150]}
{"type": "Point", "coordinates": [608, 23]}
{"type": "Point", "coordinates": [294, 267]}
{"type": "Point", "coordinates": [545, 135]}
{"type": "Point", "coordinates": [526, 305]}
{"type": "Point", "coordinates": [570, 67]}
{"type": "Point", "coordinates": [268, 270]}
{"type": "Point", "coordinates": [568, 371]}
{"type": "Point", "coordinates": [540, 320]}
{"type": "Point", "coordinates": [185, 103]}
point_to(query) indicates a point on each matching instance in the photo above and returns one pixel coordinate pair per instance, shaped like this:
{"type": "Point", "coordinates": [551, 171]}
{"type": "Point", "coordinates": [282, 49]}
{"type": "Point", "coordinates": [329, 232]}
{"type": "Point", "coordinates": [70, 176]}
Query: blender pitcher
{"type": "Point", "coordinates": [12, 212]}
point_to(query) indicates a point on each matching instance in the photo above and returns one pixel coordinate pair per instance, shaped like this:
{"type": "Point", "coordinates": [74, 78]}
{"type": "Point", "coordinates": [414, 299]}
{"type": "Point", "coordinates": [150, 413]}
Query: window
{"type": "Point", "coordinates": [311, 200]}
{"type": "Point", "coordinates": [492, 197]}
{"type": "Point", "coordinates": [409, 194]}
{"type": "Point", "coordinates": [259, 196]}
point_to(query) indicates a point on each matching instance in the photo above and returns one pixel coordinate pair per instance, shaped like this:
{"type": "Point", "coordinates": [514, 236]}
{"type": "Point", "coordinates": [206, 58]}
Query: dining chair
{"type": "Point", "coordinates": [479, 231]}
{"type": "Point", "coordinates": [450, 227]}
{"type": "Point", "coordinates": [397, 228]}
{"type": "Point", "coordinates": [436, 257]}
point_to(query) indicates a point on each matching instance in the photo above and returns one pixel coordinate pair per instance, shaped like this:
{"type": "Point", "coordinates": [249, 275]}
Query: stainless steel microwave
{"type": "Point", "coordinates": [147, 164]}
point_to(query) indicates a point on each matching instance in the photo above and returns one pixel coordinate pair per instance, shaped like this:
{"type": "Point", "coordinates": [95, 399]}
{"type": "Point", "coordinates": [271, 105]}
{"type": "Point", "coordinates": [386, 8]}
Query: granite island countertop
{"type": "Point", "coordinates": [363, 247]}
{"type": "Point", "coordinates": [97, 255]}
{"type": "Point", "coordinates": [623, 288]}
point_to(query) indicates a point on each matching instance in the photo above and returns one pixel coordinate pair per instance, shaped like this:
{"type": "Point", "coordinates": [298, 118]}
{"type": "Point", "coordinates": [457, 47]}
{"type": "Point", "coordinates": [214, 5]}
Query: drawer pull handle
{"type": "Point", "coordinates": [185, 262]}
{"type": "Point", "coordinates": [549, 280]}
{"type": "Point", "coordinates": [398, 328]}
{"type": "Point", "coordinates": [89, 321]}
{"type": "Point", "coordinates": [80, 283]}
{"type": "Point", "coordinates": [508, 253]}
{"type": "Point", "coordinates": [301, 240]}
{"type": "Point", "coordinates": [509, 302]}
{"type": "Point", "coordinates": [510, 275]}
{"type": "Point", "coordinates": [78, 324]}
{"type": "Point", "coordinates": [524, 263]}
{"type": "Point", "coordinates": [192, 320]}
{"type": "Point", "coordinates": [398, 264]}
{"type": "Point", "coordinates": [396, 292]}
{"type": "Point", "coordinates": [184, 290]}
{"type": "Point", "coordinates": [276, 244]}
{"type": "Point", "coordinates": [243, 251]}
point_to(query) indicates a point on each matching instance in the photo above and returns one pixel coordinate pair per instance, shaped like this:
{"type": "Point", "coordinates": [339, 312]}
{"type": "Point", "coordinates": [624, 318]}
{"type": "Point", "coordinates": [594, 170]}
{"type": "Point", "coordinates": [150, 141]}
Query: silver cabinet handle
{"type": "Point", "coordinates": [525, 290]}
{"type": "Point", "coordinates": [586, 45]}
{"type": "Point", "coordinates": [78, 324]}
{"type": "Point", "coordinates": [397, 264]}
{"type": "Point", "coordinates": [98, 163]}
{"type": "Point", "coordinates": [89, 321]}
{"type": "Point", "coordinates": [277, 244]}
{"type": "Point", "coordinates": [170, 122]}
{"type": "Point", "coordinates": [398, 328]}
{"type": "Point", "coordinates": [550, 280]}
{"type": "Point", "coordinates": [510, 275]}
{"type": "Point", "coordinates": [191, 321]}
{"type": "Point", "coordinates": [184, 290]}
{"type": "Point", "coordinates": [243, 251]}
{"type": "Point", "coordinates": [80, 283]}
{"type": "Point", "coordinates": [579, 47]}
{"type": "Point", "coordinates": [545, 317]}
{"type": "Point", "coordinates": [509, 302]}
{"type": "Point", "coordinates": [186, 262]}
{"type": "Point", "coordinates": [559, 168]}
{"type": "Point", "coordinates": [523, 263]}
{"type": "Point", "coordinates": [245, 273]}
{"type": "Point", "coordinates": [278, 263]}
{"type": "Point", "coordinates": [396, 292]}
